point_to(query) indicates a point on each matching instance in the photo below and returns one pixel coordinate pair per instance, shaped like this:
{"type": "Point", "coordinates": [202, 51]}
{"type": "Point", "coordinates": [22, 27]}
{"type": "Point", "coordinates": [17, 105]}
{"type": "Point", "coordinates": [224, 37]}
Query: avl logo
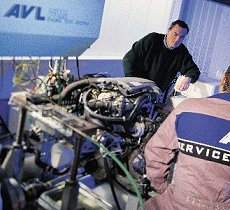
{"type": "Point", "coordinates": [24, 11]}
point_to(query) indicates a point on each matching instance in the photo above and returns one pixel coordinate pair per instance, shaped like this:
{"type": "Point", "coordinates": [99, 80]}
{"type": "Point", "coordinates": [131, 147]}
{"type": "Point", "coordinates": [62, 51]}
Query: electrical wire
{"type": "Point", "coordinates": [20, 73]}
{"type": "Point", "coordinates": [78, 69]}
{"type": "Point", "coordinates": [25, 72]}
{"type": "Point", "coordinates": [1, 74]}
{"type": "Point", "coordinates": [59, 79]}
{"type": "Point", "coordinates": [109, 177]}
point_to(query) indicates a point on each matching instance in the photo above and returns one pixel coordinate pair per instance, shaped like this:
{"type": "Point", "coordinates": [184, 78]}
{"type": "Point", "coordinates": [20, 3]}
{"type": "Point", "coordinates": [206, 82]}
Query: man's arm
{"type": "Point", "coordinates": [160, 152]}
{"type": "Point", "coordinates": [190, 73]}
{"type": "Point", "coordinates": [189, 68]}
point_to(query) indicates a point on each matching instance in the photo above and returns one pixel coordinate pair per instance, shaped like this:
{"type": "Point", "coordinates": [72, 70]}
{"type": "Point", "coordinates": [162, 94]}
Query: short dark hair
{"type": "Point", "coordinates": [226, 86]}
{"type": "Point", "coordinates": [181, 23]}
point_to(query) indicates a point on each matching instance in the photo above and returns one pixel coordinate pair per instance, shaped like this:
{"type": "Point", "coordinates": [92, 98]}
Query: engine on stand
{"type": "Point", "coordinates": [125, 111]}
{"type": "Point", "coordinates": [112, 118]}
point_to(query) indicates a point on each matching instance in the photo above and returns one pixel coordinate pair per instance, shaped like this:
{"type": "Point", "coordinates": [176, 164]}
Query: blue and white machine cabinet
{"type": "Point", "coordinates": [49, 28]}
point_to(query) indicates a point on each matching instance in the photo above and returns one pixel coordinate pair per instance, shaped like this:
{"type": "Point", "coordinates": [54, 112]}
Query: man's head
{"type": "Point", "coordinates": [225, 82]}
{"type": "Point", "coordinates": [176, 34]}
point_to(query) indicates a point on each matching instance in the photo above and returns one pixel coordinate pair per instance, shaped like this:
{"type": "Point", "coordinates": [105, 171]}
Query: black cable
{"type": "Point", "coordinates": [78, 69]}
{"type": "Point", "coordinates": [109, 176]}
{"type": "Point", "coordinates": [51, 62]}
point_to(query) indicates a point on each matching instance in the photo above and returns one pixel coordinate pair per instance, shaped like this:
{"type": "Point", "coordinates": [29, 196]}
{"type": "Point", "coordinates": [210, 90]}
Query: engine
{"type": "Point", "coordinates": [118, 114]}
{"type": "Point", "coordinates": [125, 113]}
{"type": "Point", "coordinates": [118, 105]}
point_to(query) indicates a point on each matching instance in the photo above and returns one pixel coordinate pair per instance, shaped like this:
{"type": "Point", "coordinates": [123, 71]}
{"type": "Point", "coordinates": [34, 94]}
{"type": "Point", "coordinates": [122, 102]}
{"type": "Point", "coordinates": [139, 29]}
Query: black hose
{"type": "Point", "coordinates": [138, 103]}
{"type": "Point", "coordinates": [105, 118]}
{"type": "Point", "coordinates": [98, 116]}
{"type": "Point", "coordinates": [74, 86]}
{"type": "Point", "coordinates": [94, 120]}
{"type": "Point", "coordinates": [109, 176]}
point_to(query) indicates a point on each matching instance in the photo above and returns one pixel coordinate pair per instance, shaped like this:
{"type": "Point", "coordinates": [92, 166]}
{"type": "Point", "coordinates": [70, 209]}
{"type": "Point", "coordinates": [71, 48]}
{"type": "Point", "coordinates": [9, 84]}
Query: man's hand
{"type": "Point", "coordinates": [182, 83]}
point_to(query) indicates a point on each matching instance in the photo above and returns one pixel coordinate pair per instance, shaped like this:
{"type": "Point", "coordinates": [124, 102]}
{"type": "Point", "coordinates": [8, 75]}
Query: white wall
{"type": "Point", "coordinates": [208, 40]}
{"type": "Point", "coordinates": [221, 54]}
{"type": "Point", "coordinates": [126, 21]}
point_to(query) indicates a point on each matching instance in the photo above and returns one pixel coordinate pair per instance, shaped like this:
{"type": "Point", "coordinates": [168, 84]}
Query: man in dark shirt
{"type": "Point", "coordinates": [160, 57]}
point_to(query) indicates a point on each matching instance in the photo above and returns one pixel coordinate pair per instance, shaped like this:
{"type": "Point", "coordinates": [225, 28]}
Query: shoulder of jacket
{"type": "Point", "coordinates": [189, 103]}
{"type": "Point", "coordinates": [154, 35]}
{"type": "Point", "coordinates": [194, 104]}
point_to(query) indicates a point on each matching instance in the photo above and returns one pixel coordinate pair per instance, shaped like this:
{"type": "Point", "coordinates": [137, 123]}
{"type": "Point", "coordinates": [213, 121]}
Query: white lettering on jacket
{"type": "Point", "coordinates": [204, 152]}
{"type": "Point", "coordinates": [225, 139]}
